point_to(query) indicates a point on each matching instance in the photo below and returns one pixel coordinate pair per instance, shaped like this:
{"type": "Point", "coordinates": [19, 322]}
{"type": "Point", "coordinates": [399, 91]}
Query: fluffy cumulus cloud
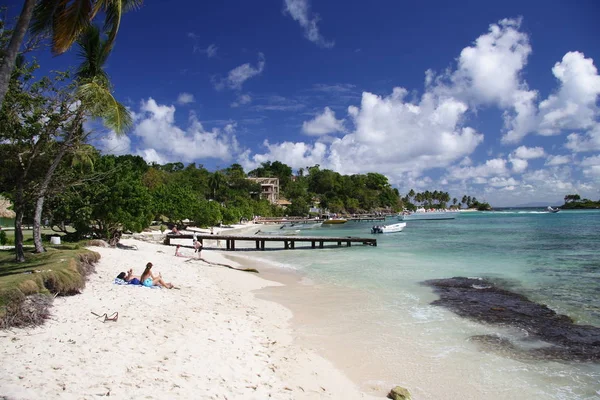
{"type": "Point", "coordinates": [518, 164]}
{"type": "Point", "coordinates": [589, 141]}
{"type": "Point", "coordinates": [298, 155]}
{"type": "Point", "coordinates": [185, 98]}
{"type": "Point", "coordinates": [574, 106]}
{"type": "Point", "coordinates": [299, 10]}
{"type": "Point", "coordinates": [323, 124]}
{"type": "Point", "coordinates": [115, 144]}
{"type": "Point", "coordinates": [554, 160]}
{"type": "Point", "coordinates": [237, 76]}
{"type": "Point", "coordinates": [157, 137]}
{"type": "Point", "coordinates": [528, 153]}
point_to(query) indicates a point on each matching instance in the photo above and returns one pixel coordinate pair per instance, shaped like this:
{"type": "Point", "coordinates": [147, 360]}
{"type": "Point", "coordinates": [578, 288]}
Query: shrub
{"type": "Point", "coordinates": [3, 238]}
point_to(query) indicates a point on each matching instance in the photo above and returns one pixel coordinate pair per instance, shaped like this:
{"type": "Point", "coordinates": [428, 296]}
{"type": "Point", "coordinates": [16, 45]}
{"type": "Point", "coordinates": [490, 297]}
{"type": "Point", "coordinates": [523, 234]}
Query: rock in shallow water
{"type": "Point", "coordinates": [482, 301]}
{"type": "Point", "coordinates": [399, 393]}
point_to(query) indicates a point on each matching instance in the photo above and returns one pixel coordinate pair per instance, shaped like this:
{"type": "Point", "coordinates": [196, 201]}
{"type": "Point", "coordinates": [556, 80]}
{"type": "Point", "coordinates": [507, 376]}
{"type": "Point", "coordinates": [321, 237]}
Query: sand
{"type": "Point", "coordinates": [211, 339]}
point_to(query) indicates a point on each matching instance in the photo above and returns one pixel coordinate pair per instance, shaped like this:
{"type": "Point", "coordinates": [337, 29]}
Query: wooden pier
{"type": "Point", "coordinates": [289, 242]}
{"type": "Point", "coordinates": [296, 221]}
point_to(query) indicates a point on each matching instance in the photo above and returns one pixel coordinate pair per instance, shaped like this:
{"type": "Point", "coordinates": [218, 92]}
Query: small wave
{"type": "Point", "coordinates": [480, 287]}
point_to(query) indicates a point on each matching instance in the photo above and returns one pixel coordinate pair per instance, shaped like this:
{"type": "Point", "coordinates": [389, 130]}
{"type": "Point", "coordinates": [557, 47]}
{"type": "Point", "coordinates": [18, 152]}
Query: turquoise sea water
{"type": "Point", "coordinates": [553, 259]}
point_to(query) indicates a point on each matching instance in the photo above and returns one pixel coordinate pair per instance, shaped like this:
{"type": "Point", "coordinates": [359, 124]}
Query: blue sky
{"type": "Point", "coordinates": [496, 100]}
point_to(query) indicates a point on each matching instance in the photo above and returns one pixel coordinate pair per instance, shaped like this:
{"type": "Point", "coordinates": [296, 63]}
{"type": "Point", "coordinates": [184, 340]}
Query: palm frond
{"type": "Point", "coordinates": [71, 19]}
{"type": "Point", "coordinates": [43, 16]}
{"type": "Point", "coordinates": [90, 52]}
{"type": "Point", "coordinates": [100, 103]}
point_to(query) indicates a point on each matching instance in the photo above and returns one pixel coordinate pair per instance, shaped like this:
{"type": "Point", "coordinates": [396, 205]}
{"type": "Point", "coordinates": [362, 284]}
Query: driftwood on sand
{"type": "Point", "coordinates": [225, 265]}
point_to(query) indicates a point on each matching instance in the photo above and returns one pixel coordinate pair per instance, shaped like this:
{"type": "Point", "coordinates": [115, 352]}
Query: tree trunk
{"type": "Point", "coordinates": [19, 252]}
{"type": "Point", "coordinates": [41, 196]}
{"type": "Point", "coordinates": [37, 227]}
{"type": "Point", "coordinates": [10, 56]}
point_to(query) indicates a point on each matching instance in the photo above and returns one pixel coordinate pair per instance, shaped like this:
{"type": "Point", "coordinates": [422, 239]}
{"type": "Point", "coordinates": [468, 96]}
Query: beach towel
{"type": "Point", "coordinates": [121, 282]}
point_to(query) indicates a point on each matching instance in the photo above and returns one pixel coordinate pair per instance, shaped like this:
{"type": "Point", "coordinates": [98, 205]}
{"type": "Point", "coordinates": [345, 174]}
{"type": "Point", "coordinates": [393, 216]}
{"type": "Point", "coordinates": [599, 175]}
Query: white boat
{"type": "Point", "coordinates": [334, 221]}
{"type": "Point", "coordinates": [388, 228]}
{"type": "Point", "coordinates": [422, 213]}
{"type": "Point", "coordinates": [553, 210]}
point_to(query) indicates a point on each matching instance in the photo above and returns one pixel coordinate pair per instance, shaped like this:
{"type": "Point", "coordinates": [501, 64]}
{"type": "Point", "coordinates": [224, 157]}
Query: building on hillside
{"type": "Point", "coordinates": [283, 203]}
{"type": "Point", "coordinates": [269, 188]}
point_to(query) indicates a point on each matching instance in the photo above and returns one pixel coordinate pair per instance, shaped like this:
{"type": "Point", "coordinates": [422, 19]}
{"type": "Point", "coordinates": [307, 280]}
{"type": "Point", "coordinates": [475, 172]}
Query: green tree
{"type": "Point", "coordinates": [93, 99]}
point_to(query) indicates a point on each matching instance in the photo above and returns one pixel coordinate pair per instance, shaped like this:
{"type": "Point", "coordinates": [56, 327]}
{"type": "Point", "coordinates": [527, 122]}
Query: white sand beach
{"type": "Point", "coordinates": [211, 339]}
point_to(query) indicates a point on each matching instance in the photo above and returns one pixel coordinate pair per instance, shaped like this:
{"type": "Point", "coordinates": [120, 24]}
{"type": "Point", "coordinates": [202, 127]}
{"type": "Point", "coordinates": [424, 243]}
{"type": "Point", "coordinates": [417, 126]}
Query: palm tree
{"type": "Point", "coordinates": [214, 183]}
{"type": "Point", "coordinates": [94, 92]}
{"type": "Point", "coordinates": [65, 20]}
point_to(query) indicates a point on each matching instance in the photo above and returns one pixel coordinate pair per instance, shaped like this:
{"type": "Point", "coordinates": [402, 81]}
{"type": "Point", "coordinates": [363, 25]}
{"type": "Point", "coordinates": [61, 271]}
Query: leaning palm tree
{"type": "Point", "coordinates": [95, 100]}
{"type": "Point", "coordinates": [65, 20]}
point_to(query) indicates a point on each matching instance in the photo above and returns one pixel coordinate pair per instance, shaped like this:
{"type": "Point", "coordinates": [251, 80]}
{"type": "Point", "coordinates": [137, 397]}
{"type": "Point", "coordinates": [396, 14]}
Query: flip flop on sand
{"type": "Point", "coordinates": [113, 317]}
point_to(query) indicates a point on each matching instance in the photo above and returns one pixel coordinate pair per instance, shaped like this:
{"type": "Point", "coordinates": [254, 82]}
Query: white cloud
{"type": "Point", "coordinates": [392, 136]}
{"type": "Point", "coordinates": [297, 155]}
{"type": "Point", "coordinates": [489, 70]}
{"type": "Point", "coordinates": [299, 10]}
{"type": "Point", "coordinates": [588, 161]}
{"type": "Point", "coordinates": [574, 105]}
{"type": "Point", "coordinates": [518, 165]}
{"type": "Point", "coordinates": [590, 141]}
{"type": "Point", "coordinates": [493, 167]}
{"type": "Point", "coordinates": [185, 98]}
{"type": "Point", "coordinates": [502, 182]}
{"type": "Point", "coordinates": [113, 144]}
{"type": "Point", "coordinates": [237, 76]}
{"type": "Point", "coordinates": [323, 124]}
{"type": "Point", "coordinates": [528, 153]}
{"type": "Point", "coordinates": [241, 100]}
{"type": "Point", "coordinates": [159, 137]}
{"type": "Point", "coordinates": [557, 160]}
{"type": "Point", "coordinates": [210, 51]}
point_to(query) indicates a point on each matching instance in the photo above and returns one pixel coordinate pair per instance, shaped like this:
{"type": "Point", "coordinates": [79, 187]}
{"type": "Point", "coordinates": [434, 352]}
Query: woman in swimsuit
{"type": "Point", "coordinates": [149, 280]}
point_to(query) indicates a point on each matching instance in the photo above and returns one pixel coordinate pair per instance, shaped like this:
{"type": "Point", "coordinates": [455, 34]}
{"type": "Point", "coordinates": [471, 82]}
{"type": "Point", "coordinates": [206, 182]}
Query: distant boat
{"type": "Point", "coordinates": [388, 228]}
{"type": "Point", "coordinates": [553, 210]}
{"type": "Point", "coordinates": [334, 221]}
{"type": "Point", "coordinates": [422, 213]}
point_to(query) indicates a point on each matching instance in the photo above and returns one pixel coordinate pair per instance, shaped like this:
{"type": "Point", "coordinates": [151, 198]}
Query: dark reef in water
{"type": "Point", "coordinates": [482, 301]}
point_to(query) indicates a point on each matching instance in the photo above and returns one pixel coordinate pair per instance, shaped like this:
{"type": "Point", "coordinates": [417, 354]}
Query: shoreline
{"type": "Point", "coordinates": [213, 338]}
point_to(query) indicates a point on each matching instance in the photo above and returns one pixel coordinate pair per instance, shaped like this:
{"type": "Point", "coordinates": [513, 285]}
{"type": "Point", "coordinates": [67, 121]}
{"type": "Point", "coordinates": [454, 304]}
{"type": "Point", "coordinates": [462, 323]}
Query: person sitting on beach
{"type": "Point", "coordinates": [129, 277]}
{"type": "Point", "coordinates": [149, 280]}
{"type": "Point", "coordinates": [175, 231]}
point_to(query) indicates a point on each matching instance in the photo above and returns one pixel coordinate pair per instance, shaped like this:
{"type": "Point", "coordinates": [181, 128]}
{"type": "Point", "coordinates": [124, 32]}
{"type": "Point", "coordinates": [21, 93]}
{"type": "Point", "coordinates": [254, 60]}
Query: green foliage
{"type": "Point", "coordinates": [114, 199]}
{"type": "Point", "coordinates": [574, 201]}
{"type": "Point", "coordinates": [3, 239]}
{"type": "Point", "coordinates": [208, 213]}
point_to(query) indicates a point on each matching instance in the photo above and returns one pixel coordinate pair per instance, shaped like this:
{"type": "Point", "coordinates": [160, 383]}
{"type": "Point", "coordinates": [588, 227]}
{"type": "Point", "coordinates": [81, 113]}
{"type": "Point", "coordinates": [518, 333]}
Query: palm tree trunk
{"type": "Point", "coordinates": [10, 56]}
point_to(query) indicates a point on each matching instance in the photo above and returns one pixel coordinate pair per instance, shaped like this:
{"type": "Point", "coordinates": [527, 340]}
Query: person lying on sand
{"type": "Point", "coordinates": [149, 280]}
{"type": "Point", "coordinates": [129, 277]}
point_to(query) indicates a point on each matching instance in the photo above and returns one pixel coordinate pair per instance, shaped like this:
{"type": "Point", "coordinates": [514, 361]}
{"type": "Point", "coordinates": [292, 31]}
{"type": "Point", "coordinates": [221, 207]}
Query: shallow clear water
{"type": "Point", "coordinates": [551, 258]}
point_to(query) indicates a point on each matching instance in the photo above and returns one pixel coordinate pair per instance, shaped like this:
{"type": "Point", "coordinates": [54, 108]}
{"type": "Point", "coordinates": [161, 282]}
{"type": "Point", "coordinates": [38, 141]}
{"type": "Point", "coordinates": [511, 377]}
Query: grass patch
{"type": "Point", "coordinates": [26, 289]}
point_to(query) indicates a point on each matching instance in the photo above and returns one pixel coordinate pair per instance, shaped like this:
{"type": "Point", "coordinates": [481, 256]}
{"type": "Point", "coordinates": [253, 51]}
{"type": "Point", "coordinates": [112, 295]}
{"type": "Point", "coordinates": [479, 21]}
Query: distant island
{"type": "Point", "coordinates": [575, 202]}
